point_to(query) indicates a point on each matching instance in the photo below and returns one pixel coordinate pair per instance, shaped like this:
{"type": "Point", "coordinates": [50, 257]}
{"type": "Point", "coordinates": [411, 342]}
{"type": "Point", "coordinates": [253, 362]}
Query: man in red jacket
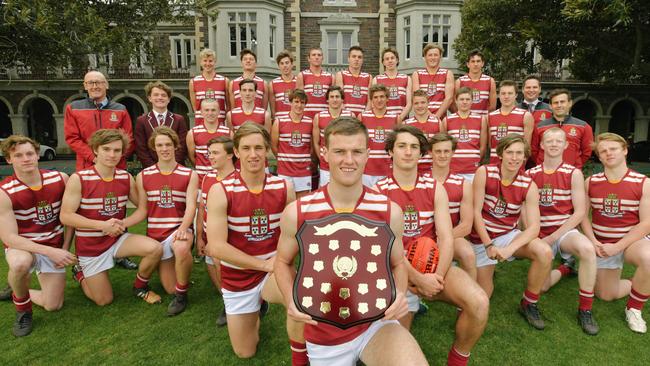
{"type": "Point", "coordinates": [83, 117]}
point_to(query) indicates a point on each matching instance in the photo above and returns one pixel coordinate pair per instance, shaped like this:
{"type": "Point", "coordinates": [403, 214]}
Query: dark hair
{"type": "Point", "coordinates": [512, 138]}
{"type": "Point", "coordinates": [475, 52]}
{"type": "Point", "coordinates": [442, 137]}
{"type": "Point", "coordinates": [422, 139]}
{"type": "Point", "coordinates": [508, 83]}
{"type": "Point", "coordinates": [245, 52]}
{"type": "Point", "coordinates": [334, 88]}
{"type": "Point", "coordinates": [247, 81]}
{"type": "Point", "coordinates": [355, 48]}
{"type": "Point", "coordinates": [390, 50]}
{"type": "Point", "coordinates": [283, 54]}
{"type": "Point", "coordinates": [227, 143]}
{"type": "Point", "coordinates": [298, 93]}
{"type": "Point", "coordinates": [377, 88]}
{"type": "Point", "coordinates": [555, 92]}
{"type": "Point", "coordinates": [163, 131]}
{"type": "Point", "coordinates": [463, 90]}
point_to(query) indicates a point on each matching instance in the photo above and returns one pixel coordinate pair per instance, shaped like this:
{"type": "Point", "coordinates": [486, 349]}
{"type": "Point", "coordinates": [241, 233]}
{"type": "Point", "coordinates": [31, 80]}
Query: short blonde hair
{"type": "Point", "coordinates": [163, 131]}
{"type": "Point", "coordinates": [9, 144]}
{"type": "Point", "coordinates": [106, 136]}
{"type": "Point", "coordinates": [431, 46]}
{"type": "Point", "coordinates": [609, 136]}
{"type": "Point", "coordinates": [207, 52]}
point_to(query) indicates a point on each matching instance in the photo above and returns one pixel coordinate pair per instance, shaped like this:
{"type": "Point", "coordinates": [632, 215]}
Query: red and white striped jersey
{"type": "Point", "coordinates": [417, 204]}
{"type": "Point", "coordinates": [355, 91]}
{"type": "Point", "coordinates": [480, 92]}
{"type": "Point", "coordinates": [37, 209]}
{"type": "Point", "coordinates": [166, 198]}
{"type": "Point", "coordinates": [379, 162]}
{"type": "Point", "coordinates": [371, 205]}
{"type": "Point", "coordinates": [281, 90]}
{"type": "Point", "coordinates": [502, 204]}
{"type": "Point", "coordinates": [615, 206]}
{"type": "Point", "coordinates": [208, 181]}
{"type": "Point", "coordinates": [100, 200]}
{"type": "Point", "coordinates": [253, 226]}
{"type": "Point", "coordinates": [259, 95]}
{"type": "Point", "coordinates": [467, 132]}
{"type": "Point", "coordinates": [315, 86]}
{"type": "Point", "coordinates": [454, 187]}
{"type": "Point", "coordinates": [294, 146]}
{"type": "Point", "coordinates": [434, 85]}
{"type": "Point", "coordinates": [429, 127]}
{"type": "Point", "coordinates": [238, 117]}
{"type": "Point", "coordinates": [324, 119]}
{"type": "Point", "coordinates": [555, 205]}
{"type": "Point", "coordinates": [201, 137]}
{"type": "Point", "coordinates": [397, 87]}
{"type": "Point", "coordinates": [501, 126]}
{"type": "Point", "coordinates": [213, 89]}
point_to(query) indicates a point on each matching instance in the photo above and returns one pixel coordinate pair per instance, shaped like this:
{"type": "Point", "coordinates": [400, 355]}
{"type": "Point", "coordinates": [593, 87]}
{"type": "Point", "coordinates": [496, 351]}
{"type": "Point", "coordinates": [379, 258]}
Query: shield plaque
{"type": "Point", "coordinates": [344, 278]}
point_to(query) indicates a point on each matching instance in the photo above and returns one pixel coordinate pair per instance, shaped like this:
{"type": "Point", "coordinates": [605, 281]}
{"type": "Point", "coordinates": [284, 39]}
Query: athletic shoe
{"type": "Point", "coordinates": [264, 309]}
{"type": "Point", "coordinates": [77, 273]}
{"type": "Point", "coordinates": [5, 293]}
{"type": "Point", "coordinates": [571, 265]}
{"type": "Point", "coordinates": [199, 259]}
{"type": "Point", "coordinates": [532, 315]}
{"type": "Point", "coordinates": [23, 323]}
{"type": "Point", "coordinates": [635, 320]}
{"type": "Point", "coordinates": [178, 304]}
{"type": "Point", "coordinates": [587, 322]}
{"type": "Point", "coordinates": [222, 319]}
{"type": "Point", "coordinates": [126, 263]}
{"type": "Point", "coordinates": [422, 308]}
{"type": "Point", "coordinates": [147, 295]}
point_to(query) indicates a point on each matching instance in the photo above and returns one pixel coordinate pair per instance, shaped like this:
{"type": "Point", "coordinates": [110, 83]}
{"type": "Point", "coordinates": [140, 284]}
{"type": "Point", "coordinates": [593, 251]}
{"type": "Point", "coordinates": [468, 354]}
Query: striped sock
{"type": "Point", "coordinates": [181, 289]}
{"type": "Point", "coordinates": [636, 300]}
{"type": "Point", "coordinates": [140, 281]}
{"type": "Point", "coordinates": [298, 353]}
{"type": "Point", "coordinates": [23, 304]}
{"type": "Point", "coordinates": [529, 298]}
{"type": "Point", "coordinates": [586, 299]}
{"type": "Point", "coordinates": [455, 358]}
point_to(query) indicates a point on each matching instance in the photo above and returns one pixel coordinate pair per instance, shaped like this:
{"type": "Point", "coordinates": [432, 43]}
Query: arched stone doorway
{"type": "Point", "coordinates": [41, 125]}
{"type": "Point", "coordinates": [178, 106]}
{"type": "Point", "coordinates": [5, 121]}
{"type": "Point", "coordinates": [133, 107]}
{"type": "Point", "coordinates": [623, 117]}
{"type": "Point", "coordinates": [585, 110]}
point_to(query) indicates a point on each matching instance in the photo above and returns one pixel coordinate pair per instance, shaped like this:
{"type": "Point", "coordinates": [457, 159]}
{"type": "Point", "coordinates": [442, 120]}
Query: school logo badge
{"type": "Point", "coordinates": [432, 89]}
{"type": "Point", "coordinates": [110, 206]}
{"type": "Point", "coordinates": [113, 117]}
{"type": "Point", "coordinates": [542, 116]}
{"type": "Point", "coordinates": [499, 208]}
{"type": "Point", "coordinates": [393, 92]}
{"type": "Point", "coordinates": [502, 131]}
{"type": "Point", "coordinates": [476, 96]}
{"type": "Point", "coordinates": [612, 206]}
{"type": "Point", "coordinates": [44, 213]}
{"type": "Point", "coordinates": [356, 91]}
{"type": "Point", "coordinates": [463, 134]}
{"type": "Point", "coordinates": [546, 195]}
{"type": "Point", "coordinates": [285, 97]}
{"type": "Point", "coordinates": [379, 135]}
{"type": "Point", "coordinates": [296, 139]}
{"type": "Point", "coordinates": [573, 132]}
{"type": "Point", "coordinates": [318, 90]}
{"type": "Point", "coordinates": [259, 226]}
{"type": "Point", "coordinates": [411, 221]}
{"type": "Point", "coordinates": [210, 94]}
{"type": "Point", "coordinates": [166, 200]}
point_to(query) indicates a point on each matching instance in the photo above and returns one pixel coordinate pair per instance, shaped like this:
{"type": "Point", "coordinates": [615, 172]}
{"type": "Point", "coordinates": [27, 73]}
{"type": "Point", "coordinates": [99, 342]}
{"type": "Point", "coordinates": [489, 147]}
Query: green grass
{"type": "Point", "coordinates": [132, 332]}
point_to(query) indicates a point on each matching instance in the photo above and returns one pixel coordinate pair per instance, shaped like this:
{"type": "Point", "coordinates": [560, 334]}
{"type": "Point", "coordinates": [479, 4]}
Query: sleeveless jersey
{"type": "Point", "coordinates": [454, 187]}
{"type": "Point", "coordinates": [434, 85]}
{"type": "Point", "coordinates": [555, 205]}
{"type": "Point", "coordinates": [316, 87]}
{"type": "Point", "coordinates": [37, 210]}
{"type": "Point", "coordinates": [480, 92]}
{"type": "Point", "coordinates": [355, 91]}
{"type": "Point", "coordinates": [294, 147]}
{"type": "Point", "coordinates": [371, 205]}
{"type": "Point", "coordinates": [281, 90]}
{"type": "Point", "coordinates": [238, 117]}
{"type": "Point", "coordinates": [397, 87]}
{"type": "Point", "coordinates": [324, 119]}
{"type": "Point", "coordinates": [430, 127]}
{"type": "Point", "coordinates": [379, 163]}
{"type": "Point", "coordinates": [209, 180]}
{"type": "Point", "coordinates": [166, 197]}
{"type": "Point", "coordinates": [259, 95]}
{"type": "Point", "coordinates": [201, 137]}
{"type": "Point", "coordinates": [253, 226]}
{"type": "Point", "coordinates": [213, 89]}
{"type": "Point", "coordinates": [417, 205]}
{"type": "Point", "coordinates": [615, 206]}
{"type": "Point", "coordinates": [467, 132]}
{"type": "Point", "coordinates": [100, 200]}
{"type": "Point", "coordinates": [500, 126]}
{"type": "Point", "coordinates": [502, 204]}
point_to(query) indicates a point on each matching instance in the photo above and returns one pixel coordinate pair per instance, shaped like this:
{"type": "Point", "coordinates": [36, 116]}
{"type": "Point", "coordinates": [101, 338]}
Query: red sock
{"type": "Point", "coordinates": [181, 289]}
{"type": "Point", "coordinates": [298, 354]}
{"type": "Point", "coordinates": [140, 282]}
{"type": "Point", "coordinates": [23, 304]}
{"type": "Point", "coordinates": [586, 299]}
{"type": "Point", "coordinates": [636, 300]}
{"type": "Point", "coordinates": [564, 270]}
{"type": "Point", "coordinates": [529, 298]}
{"type": "Point", "coordinates": [455, 358]}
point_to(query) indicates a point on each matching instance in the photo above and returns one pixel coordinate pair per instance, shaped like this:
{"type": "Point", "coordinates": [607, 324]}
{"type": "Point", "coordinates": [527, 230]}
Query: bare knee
{"type": "Point", "coordinates": [182, 249]}
{"type": "Point", "coordinates": [643, 261]}
{"type": "Point", "coordinates": [103, 300]}
{"type": "Point", "coordinates": [53, 305]}
{"type": "Point", "coordinates": [587, 253]}
{"type": "Point", "coordinates": [543, 253]}
{"type": "Point", "coordinates": [245, 353]}
{"type": "Point", "coordinates": [20, 265]}
{"type": "Point", "coordinates": [153, 250]}
{"type": "Point", "coordinates": [466, 256]}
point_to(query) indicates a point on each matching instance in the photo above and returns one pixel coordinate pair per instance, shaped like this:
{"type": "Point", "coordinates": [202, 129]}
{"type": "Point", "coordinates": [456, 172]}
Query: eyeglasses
{"type": "Point", "coordinates": [94, 83]}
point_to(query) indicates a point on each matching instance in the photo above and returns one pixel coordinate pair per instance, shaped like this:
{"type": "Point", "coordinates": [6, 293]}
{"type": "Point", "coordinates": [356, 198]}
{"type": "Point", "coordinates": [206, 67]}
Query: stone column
{"type": "Point", "coordinates": [641, 128]}
{"type": "Point", "coordinates": [19, 124]}
{"type": "Point", "coordinates": [602, 124]}
{"type": "Point", "coordinates": [61, 146]}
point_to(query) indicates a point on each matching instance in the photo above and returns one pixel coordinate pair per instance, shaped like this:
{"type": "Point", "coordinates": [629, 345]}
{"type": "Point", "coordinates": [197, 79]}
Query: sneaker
{"type": "Point", "coordinates": [264, 309]}
{"type": "Point", "coordinates": [5, 293]}
{"type": "Point", "coordinates": [126, 263]}
{"type": "Point", "coordinates": [571, 265]}
{"type": "Point", "coordinates": [587, 322]}
{"type": "Point", "coordinates": [635, 320]}
{"type": "Point", "coordinates": [422, 308]}
{"type": "Point", "coordinates": [77, 273]}
{"type": "Point", "coordinates": [178, 305]}
{"type": "Point", "coordinates": [532, 315]}
{"type": "Point", "coordinates": [222, 320]}
{"type": "Point", "coordinates": [147, 295]}
{"type": "Point", "coordinates": [23, 323]}
{"type": "Point", "coordinates": [199, 259]}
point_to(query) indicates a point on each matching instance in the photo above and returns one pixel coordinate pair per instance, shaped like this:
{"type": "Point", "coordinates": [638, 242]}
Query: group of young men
{"type": "Point", "coordinates": [406, 151]}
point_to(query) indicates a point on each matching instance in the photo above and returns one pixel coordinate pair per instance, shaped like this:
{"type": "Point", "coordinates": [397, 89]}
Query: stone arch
{"type": "Point", "coordinates": [40, 122]}
{"type": "Point", "coordinates": [637, 106]}
{"type": "Point", "coordinates": [133, 103]}
{"type": "Point", "coordinates": [23, 102]}
{"type": "Point", "coordinates": [74, 97]}
{"type": "Point", "coordinates": [187, 102]}
{"type": "Point", "coordinates": [596, 103]}
{"type": "Point", "coordinates": [587, 109]}
{"type": "Point", "coordinates": [4, 100]}
{"type": "Point", "coordinates": [624, 112]}
{"type": "Point", "coordinates": [180, 105]}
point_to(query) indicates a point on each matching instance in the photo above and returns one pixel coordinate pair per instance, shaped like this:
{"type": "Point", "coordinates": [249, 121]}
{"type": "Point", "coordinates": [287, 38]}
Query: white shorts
{"type": "Point", "coordinates": [300, 184]}
{"type": "Point", "coordinates": [613, 262]}
{"type": "Point", "coordinates": [41, 263]}
{"type": "Point", "coordinates": [244, 302]}
{"type": "Point", "coordinates": [468, 177]}
{"type": "Point", "coordinates": [413, 301]}
{"type": "Point", "coordinates": [323, 177]}
{"type": "Point", "coordinates": [103, 262]}
{"type": "Point", "coordinates": [556, 245]}
{"type": "Point", "coordinates": [371, 180]}
{"type": "Point", "coordinates": [209, 260]}
{"type": "Point", "coordinates": [345, 354]}
{"type": "Point", "coordinates": [504, 240]}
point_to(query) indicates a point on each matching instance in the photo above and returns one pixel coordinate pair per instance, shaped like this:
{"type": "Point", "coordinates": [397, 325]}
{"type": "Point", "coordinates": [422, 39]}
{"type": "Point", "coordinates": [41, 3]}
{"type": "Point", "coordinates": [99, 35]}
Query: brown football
{"type": "Point", "coordinates": [423, 254]}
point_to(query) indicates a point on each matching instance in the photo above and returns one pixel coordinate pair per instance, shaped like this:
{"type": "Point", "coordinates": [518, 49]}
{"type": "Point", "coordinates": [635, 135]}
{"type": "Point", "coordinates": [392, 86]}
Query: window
{"type": "Point", "coordinates": [338, 43]}
{"type": "Point", "coordinates": [272, 35]}
{"type": "Point", "coordinates": [407, 37]}
{"type": "Point", "coordinates": [182, 51]}
{"type": "Point", "coordinates": [139, 59]}
{"type": "Point", "coordinates": [101, 59]}
{"type": "Point", "coordinates": [243, 31]}
{"type": "Point", "coordinates": [435, 29]}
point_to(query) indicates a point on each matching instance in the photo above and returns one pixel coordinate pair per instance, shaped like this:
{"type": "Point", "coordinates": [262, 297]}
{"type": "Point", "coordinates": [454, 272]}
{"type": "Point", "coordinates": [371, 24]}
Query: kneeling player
{"type": "Point", "coordinates": [168, 191]}
{"type": "Point", "coordinates": [30, 201]}
{"type": "Point", "coordinates": [426, 213]}
{"type": "Point", "coordinates": [620, 213]}
{"type": "Point", "coordinates": [94, 203]}
{"type": "Point", "coordinates": [500, 193]}
{"type": "Point", "coordinates": [243, 229]}
{"type": "Point", "coordinates": [381, 342]}
{"type": "Point", "coordinates": [562, 207]}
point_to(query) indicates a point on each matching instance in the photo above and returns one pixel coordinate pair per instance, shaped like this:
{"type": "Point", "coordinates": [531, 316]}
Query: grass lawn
{"type": "Point", "coordinates": [131, 332]}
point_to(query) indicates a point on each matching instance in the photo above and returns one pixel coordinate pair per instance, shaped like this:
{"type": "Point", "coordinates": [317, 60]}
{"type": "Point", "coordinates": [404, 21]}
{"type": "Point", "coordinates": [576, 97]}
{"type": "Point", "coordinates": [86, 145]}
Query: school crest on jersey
{"type": "Point", "coordinates": [318, 89]}
{"type": "Point", "coordinates": [432, 89]}
{"type": "Point", "coordinates": [612, 206]}
{"type": "Point", "coordinates": [356, 91]}
{"type": "Point", "coordinates": [499, 208]}
{"type": "Point", "coordinates": [109, 206]}
{"type": "Point", "coordinates": [379, 135]}
{"type": "Point", "coordinates": [502, 131]}
{"type": "Point", "coordinates": [210, 94]}
{"type": "Point", "coordinates": [259, 226]}
{"type": "Point", "coordinates": [476, 95]}
{"type": "Point", "coordinates": [296, 139]}
{"type": "Point", "coordinates": [44, 213]}
{"type": "Point", "coordinates": [411, 221]}
{"type": "Point", "coordinates": [166, 200]}
{"type": "Point", "coordinates": [463, 134]}
{"type": "Point", "coordinates": [393, 92]}
{"type": "Point", "coordinates": [285, 97]}
{"type": "Point", "coordinates": [546, 195]}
